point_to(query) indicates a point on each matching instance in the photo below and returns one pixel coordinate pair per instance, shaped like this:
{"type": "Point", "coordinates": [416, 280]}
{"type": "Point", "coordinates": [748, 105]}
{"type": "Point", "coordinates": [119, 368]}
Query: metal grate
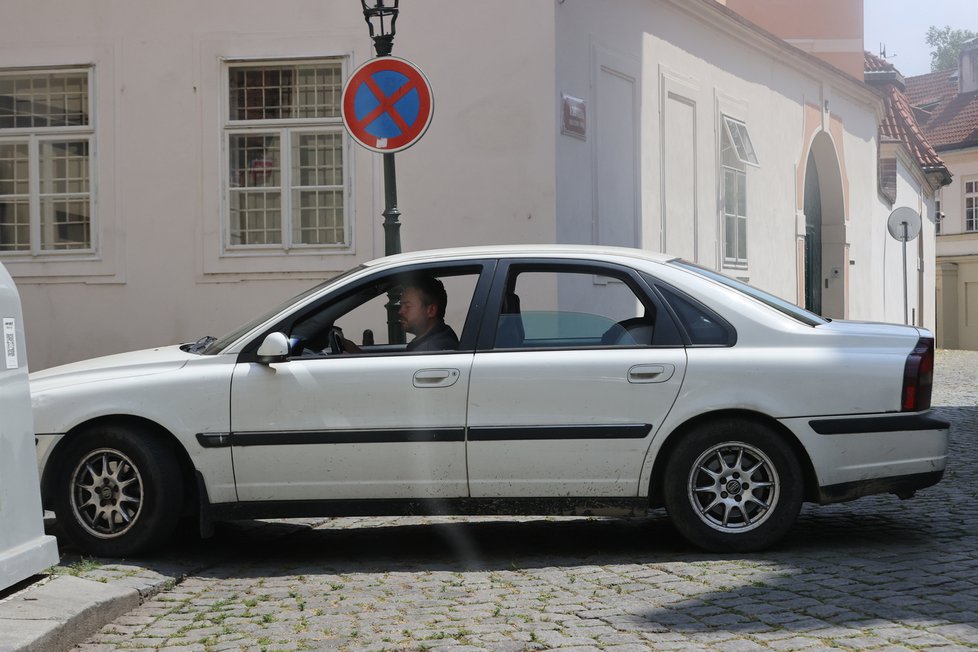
{"type": "Point", "coordinates": [307, 91]}
{"type": "Point", "coordinates": [39, 100]}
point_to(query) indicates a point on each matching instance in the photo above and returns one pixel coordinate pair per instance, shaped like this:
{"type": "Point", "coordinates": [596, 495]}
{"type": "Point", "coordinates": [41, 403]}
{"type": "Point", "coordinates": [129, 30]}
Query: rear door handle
{"type": "Point", "coordinates": [651, 373]}
{"type": "Point", "coordinates": [436, 377]}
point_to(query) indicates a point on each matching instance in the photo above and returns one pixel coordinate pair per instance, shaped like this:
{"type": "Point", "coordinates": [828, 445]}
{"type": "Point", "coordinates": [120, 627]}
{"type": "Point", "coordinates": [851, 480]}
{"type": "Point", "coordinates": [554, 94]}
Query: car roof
{"type": "Point", "coordinates": [520, 251]}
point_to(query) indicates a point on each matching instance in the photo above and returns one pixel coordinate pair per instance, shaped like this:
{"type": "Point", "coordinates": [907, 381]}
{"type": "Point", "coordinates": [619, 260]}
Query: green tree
{"type": "Point", "coordinates": [946, 44]}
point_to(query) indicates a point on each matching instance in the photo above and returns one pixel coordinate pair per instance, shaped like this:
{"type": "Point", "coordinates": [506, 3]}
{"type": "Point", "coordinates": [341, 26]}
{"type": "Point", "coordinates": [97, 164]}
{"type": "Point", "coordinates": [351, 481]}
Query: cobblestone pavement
{"type": "Point", "coordinates": [875, 574]}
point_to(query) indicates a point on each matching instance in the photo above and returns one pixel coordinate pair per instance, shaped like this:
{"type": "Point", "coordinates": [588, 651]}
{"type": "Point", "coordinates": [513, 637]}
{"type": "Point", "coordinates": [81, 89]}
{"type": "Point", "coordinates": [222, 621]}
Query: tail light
{"type": "Point", "coordinates": [918, 376]}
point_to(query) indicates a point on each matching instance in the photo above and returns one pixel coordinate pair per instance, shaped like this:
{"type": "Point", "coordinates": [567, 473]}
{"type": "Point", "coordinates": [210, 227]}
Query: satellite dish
{"type": "Point", "coordinates": [904, 224]}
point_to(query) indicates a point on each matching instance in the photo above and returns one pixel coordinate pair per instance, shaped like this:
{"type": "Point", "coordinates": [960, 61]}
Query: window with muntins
{"type": "Point", "coordinates": [286, 176]}
{"type": "Point", "coordinates": [938, 217]}
{"type": "Point", "coordinates": [736, 153]}
{"type": "Point", "coordinates": [46, 162]}
{"type": "Point", "coordinates": [971, 205]}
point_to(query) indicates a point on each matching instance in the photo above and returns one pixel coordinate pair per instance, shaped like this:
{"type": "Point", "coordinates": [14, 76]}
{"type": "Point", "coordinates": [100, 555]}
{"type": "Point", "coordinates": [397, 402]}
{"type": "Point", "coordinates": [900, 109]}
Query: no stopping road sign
{"type": "Point", "coordinates": [387, 104]}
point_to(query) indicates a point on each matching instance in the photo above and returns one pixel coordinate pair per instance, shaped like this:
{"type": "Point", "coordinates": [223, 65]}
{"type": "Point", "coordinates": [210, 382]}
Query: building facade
{"type": "Point", "coordinates": [167, 172]}
{"type": "Point", "coordinates": [946, 104]}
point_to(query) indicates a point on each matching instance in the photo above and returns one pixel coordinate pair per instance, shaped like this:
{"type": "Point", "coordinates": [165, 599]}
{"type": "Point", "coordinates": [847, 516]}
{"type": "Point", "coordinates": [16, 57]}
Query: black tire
{"type": "Point", "coordinates": [733, 485]}
{"type": "Point", "coordinates": [118, 491]}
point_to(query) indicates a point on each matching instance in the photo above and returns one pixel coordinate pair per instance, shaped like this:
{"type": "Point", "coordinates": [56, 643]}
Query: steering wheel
{"type": "Point", "coordinates": [335, 340]}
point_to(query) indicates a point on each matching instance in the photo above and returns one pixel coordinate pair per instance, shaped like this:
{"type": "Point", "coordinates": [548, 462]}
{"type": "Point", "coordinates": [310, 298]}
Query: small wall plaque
{"type": "Point", "coordinates": [573, 116]}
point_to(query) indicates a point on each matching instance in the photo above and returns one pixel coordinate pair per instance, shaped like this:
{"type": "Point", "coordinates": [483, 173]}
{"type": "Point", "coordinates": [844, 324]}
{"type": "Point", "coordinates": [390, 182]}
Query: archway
{"type": "Point", "coordinates": [826, 249]}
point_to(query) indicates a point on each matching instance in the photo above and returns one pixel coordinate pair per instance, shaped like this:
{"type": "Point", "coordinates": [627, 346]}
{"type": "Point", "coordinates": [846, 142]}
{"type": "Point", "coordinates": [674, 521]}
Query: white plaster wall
{"type": "Point", "coordinates": [720, 73]}
{"type": "Point", "coordinates": [483, 173]}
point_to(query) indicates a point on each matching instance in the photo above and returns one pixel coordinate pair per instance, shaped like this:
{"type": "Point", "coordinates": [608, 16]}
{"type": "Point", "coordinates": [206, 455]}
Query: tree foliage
{"type": "Point", "coordinates": [946, 44]}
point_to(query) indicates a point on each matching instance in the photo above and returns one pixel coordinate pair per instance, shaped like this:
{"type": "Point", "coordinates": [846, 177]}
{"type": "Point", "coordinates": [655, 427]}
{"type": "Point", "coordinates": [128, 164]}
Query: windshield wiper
{"type": "Point", "coordinates": [200, 344]}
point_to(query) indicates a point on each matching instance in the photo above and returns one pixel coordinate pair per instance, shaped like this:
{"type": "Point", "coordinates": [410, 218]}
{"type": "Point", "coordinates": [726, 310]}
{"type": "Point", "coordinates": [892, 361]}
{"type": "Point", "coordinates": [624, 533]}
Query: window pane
{"type": "Point", "coordinates": [570, 310]}
{"type": "Point", "coordinates": [65, 223]}
{"type": "Point", "coordinates": [15, 225]}
{"type": "Point", "coordinates": [730, 237]}
{"type": "Point", "coordinates": [38, 100]}
{"type": "Point", "coordinates": [317, 217]}
{"type": "Point", "coordinates": [64, 167]}
{"type": "Point", "coordinates": [256, 217]}
{"type": "Point", "coordinates": [13, 169]}
{"type": "Point", "coordinates": [255, 161]}
{"type": "Point", "coordinates": [285, 92]}
{"type": "Point", "coordinates": [742, 238]}
{"type": "Point", "coordinates": [729, 191]}
{"type": "Point", "coordinates": [741, 194]}
{"type": "Point", "coordinates": [318, 160]}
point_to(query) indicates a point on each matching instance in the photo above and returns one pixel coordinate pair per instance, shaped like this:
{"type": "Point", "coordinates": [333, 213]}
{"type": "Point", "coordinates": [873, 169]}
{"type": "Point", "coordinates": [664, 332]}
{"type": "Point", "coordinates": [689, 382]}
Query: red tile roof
{"type": "Point", "coordinates": [949, 119]}
{"type": "Point", "coordinates": [900, 122]}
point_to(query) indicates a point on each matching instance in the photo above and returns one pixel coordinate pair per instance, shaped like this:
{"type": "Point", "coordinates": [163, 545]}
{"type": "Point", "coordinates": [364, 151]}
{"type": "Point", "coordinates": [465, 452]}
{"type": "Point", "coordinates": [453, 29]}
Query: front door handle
{"type": "Point", "coordinates": [435, 377]}
{"type": "Point", "coordinates": [651, 373]}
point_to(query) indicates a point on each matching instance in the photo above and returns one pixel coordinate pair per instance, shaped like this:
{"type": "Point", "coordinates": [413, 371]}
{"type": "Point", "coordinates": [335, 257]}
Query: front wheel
{"type": "Point", "coordinates": [119, 491]}
{"type": "Point", "coordinates": [733, 486]}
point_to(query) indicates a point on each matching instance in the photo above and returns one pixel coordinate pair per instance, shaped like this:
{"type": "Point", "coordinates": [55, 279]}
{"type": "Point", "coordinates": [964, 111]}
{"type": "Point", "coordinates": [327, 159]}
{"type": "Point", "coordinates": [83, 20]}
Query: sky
{"type": "Point", "coordinates": [902, 26]}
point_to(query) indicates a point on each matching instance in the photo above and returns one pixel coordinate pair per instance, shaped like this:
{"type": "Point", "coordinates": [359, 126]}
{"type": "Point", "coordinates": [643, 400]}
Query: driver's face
{"type": "Point", "coordinates": [413, 314]}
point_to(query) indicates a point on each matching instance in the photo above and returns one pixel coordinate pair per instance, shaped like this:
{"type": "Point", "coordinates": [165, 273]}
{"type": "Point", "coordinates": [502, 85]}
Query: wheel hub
{"type": "Point", "coordinates": [733, 487]}
{"type": "Point", "coordinates": [106, 493]}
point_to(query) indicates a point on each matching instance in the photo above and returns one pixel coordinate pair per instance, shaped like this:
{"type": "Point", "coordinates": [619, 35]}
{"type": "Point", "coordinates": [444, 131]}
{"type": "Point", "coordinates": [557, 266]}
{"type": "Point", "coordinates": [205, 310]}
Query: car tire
{"type": "Point", "coordinates": [733, 485]}
{"type": "Point", "coordinates": [119, 491]}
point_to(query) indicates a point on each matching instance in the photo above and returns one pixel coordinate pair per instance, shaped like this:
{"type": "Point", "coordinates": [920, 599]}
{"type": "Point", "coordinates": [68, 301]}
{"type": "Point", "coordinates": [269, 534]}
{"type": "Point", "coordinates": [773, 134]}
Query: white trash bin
{"type": "Point", "coordinates": [24, 548]}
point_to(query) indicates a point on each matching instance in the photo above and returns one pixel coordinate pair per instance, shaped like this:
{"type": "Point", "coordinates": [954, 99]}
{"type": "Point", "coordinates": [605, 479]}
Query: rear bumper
{"type": "Point", "coordinates": [903, 486]}
{"type": "Point", "coordinates": [855, 456]}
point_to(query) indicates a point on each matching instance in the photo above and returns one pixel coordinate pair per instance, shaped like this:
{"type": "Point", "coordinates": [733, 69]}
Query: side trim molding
{"type": "Point", "coordinates": [618, 431]}
{"type": "Point", "coordinates": [895, 423]}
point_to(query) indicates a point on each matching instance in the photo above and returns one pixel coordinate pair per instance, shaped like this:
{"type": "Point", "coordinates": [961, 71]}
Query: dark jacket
{"type": "Point", "coordinates": [439, 338]}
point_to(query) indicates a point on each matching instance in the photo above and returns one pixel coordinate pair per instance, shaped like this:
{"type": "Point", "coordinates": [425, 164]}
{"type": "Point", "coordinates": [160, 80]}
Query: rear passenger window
{"type": "Point", "coordinates": [572, 309]}
{"type": "Point", "coordinates": [702, 325]}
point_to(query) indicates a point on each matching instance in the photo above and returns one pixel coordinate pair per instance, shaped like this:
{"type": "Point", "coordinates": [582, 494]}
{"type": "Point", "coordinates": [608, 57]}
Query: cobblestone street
{"type": "Point", "coordinates": [875, 574]}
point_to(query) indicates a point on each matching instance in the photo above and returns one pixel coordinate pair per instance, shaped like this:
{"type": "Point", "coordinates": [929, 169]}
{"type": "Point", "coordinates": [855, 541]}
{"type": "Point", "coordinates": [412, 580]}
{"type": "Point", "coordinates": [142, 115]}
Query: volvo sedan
{"type": "Point", "coordinates": [513, 380]}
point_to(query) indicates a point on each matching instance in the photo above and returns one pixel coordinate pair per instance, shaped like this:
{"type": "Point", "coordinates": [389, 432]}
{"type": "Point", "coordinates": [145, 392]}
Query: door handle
{"type": "Point", "coordinates": [651, 373]}
{"type": "Point", "coordinates": [436, 377]}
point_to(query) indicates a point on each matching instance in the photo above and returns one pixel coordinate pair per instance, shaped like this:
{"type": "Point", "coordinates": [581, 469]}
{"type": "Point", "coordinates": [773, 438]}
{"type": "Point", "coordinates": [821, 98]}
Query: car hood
{"type": "Point", "coordinates": [111, 367]}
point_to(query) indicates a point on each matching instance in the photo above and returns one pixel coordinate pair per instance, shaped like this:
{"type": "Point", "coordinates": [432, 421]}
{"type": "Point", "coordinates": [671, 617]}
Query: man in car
{"type": "Point", "coordinates": [422, 313]}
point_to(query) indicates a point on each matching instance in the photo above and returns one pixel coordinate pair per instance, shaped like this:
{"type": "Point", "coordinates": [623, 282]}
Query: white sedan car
{"type": "Point", "coordinates": [585, 380]}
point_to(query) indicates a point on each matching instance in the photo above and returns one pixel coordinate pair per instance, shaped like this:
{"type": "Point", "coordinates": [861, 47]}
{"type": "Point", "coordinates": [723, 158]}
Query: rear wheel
{"type": "Point", "coordinates": [733, 486]}
{"type": "Point", "coordinates": [119, 491]}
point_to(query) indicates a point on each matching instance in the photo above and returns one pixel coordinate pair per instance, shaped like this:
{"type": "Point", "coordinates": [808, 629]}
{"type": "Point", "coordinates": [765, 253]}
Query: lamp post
{"type": "Point", "coordinates": [381, 17]}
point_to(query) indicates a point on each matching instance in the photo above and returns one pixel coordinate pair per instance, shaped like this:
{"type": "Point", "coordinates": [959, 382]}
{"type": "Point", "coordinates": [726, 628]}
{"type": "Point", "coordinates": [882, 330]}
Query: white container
{"type": "Point", "coordinates": [24, 548]}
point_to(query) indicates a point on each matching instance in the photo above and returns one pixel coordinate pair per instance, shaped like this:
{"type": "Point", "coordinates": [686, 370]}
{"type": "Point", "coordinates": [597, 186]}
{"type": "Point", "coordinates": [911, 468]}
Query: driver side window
{"type": "Point", "coordinates": [361, 314]}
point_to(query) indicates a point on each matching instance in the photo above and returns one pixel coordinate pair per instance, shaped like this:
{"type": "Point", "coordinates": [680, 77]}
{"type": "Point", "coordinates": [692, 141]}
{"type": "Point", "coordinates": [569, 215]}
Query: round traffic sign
{"type": "Point", "coordinates": [387, 104]}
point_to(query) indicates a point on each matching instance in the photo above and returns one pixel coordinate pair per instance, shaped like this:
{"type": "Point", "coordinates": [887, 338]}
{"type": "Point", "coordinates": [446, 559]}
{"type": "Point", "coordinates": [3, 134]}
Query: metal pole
{"type": "Point", "coordinates": [392, 223]}
{"type": "Point", "coordinates": [392, 244]}
{"type": "Point", "coordinates": [905, 297]}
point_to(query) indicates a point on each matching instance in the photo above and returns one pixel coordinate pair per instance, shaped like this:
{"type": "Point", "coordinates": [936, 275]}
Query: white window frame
{"type": "Point", "coordinates": [970, 213]}
{"type": "Point", "coordinates": [33, 137]}
{"type": "Point", "coordinates": [735, 132]}
{"type": "Point", "coordinates": [285, 129]}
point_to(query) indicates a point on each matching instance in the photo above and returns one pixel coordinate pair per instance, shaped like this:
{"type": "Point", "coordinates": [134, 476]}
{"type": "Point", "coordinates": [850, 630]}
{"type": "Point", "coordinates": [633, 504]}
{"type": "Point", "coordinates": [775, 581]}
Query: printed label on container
{"type": "Point", "coordinates": [10, 342]}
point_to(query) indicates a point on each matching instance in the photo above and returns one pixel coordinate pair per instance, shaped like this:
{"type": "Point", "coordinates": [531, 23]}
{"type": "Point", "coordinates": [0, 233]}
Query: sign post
{"type": "Point", "coordinates": [387, 106]}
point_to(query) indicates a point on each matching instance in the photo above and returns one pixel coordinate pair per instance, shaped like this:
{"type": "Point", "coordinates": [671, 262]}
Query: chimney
{"type": "Point", "coordinates": [968, 67]}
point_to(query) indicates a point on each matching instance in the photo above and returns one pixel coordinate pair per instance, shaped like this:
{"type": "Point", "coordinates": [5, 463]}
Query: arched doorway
{"type": "Point", "coordinates": [826, 249]}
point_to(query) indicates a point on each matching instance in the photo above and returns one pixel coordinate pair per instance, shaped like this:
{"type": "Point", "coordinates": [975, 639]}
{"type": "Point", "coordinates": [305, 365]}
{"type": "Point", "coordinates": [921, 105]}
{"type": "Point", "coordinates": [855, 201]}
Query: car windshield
{"type": "Point", "coordinates": [225, 341]}
{"type": "Point", "coordinates": [779, 304]}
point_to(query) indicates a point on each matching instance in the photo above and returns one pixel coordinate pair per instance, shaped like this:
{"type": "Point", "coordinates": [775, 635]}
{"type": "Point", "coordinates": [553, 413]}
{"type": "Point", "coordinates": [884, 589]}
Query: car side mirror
{"type": "Point", "coordinates": [275, 348]}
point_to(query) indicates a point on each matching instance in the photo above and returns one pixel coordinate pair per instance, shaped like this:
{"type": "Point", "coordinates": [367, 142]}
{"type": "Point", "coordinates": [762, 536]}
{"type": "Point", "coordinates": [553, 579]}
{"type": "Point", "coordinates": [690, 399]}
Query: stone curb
{"type": "Point", "coordinates": [58, 614]}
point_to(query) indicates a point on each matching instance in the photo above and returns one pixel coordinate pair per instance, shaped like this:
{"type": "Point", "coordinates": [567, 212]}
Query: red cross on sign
{"type": "Point", "coordinates": [387, 104]}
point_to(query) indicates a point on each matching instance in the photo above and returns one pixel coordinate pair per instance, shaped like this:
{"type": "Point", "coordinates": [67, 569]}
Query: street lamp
{"type": "Point", "coordinates": [375, 13]}
{"type": "Point", "coordinates": [381, 17]}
